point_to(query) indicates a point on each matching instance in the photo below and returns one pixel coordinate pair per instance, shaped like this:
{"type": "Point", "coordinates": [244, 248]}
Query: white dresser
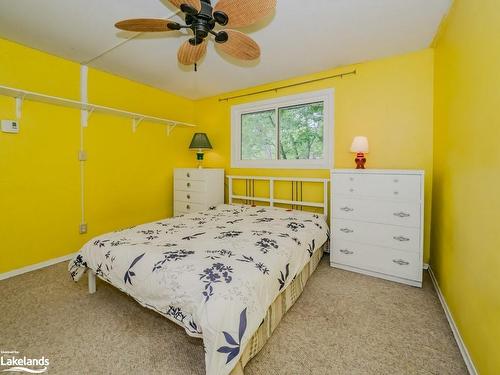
{"type": "Point", "coordinates": [197, 189]}
{"type": "Point", "coordinates": [377, 223]}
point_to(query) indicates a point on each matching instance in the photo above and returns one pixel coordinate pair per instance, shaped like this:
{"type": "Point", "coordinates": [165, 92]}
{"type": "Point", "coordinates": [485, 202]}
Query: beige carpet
{"type": "Point", "coordinates": [343, 323]}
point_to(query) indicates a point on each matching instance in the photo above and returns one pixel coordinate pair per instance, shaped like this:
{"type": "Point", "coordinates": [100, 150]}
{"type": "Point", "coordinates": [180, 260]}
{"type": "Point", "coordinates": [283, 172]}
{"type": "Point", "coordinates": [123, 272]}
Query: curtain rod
{"type": "Point", "coordinates": [341, 75]}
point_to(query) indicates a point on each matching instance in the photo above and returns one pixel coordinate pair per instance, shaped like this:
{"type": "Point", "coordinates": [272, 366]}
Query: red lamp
{"type": "Point", "coordinates": [360, 147]}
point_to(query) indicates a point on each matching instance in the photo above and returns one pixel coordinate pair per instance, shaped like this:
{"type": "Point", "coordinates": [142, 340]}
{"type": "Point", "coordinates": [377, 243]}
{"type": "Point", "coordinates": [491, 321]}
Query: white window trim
{"type": "Point", "coordinates": [325, 96]}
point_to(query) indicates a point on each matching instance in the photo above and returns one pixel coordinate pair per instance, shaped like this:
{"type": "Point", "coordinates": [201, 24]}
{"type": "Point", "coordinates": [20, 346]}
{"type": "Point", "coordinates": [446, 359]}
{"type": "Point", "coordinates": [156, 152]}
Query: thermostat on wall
{"type": "Point", "coordinates": [10, 126]}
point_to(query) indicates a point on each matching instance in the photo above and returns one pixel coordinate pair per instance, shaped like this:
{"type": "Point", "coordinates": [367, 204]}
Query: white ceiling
{"type": "Point", "coordinates": [301, 37]}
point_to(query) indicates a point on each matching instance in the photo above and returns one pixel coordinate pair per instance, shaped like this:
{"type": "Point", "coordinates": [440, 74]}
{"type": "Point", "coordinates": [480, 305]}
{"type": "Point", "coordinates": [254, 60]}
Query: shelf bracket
{"type": "Point", "coordinates": [90, 112]}
{"type": "Point", "coordinates": [19, 107]}
{"type": "Point", "coordinates": [170, 128]}
{"type": "Point", "coordinates": [86, 114]}
{"type": "Point", "coordinates": [135, 123]}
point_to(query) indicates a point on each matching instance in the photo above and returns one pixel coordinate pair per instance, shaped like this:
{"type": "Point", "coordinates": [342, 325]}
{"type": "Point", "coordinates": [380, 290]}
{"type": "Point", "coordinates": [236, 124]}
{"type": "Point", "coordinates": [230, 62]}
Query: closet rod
{"type": "Point", "coordinates": [275, 89]}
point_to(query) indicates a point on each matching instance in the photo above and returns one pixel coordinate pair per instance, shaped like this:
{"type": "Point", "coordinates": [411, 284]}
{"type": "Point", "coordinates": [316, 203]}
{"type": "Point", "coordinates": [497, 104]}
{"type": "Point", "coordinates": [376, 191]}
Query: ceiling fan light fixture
{"type": "Point", "coordinates": [188, 9]}
{"type": "Point", "coordinates": [189, 19]}
{"type": "Point", "coordinates": [174, 26]}
{"type": "Point", "coordinates": [196, 41]}
{"type": "Point", "coordinates": [221, 37]}
{"type": "Point", "coordinates": [221, 18]}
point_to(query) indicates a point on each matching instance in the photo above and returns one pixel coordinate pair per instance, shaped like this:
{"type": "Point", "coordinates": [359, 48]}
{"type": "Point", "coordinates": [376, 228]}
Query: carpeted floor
{"type": "Point", "coordinates": [343, 323]}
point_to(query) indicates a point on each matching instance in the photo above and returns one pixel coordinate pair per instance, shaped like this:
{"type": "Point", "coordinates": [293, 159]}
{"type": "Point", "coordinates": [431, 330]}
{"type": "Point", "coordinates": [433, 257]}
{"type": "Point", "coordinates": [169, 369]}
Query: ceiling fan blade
{"type": "Point", "coordinates": [245, 12]}
{"type": "Point", "coordinates": [190, 54]}
{"type": "Point", "coordinates": [196, 4]}
{"type": "Point", "coordinates": [239, 45]}
{"type": "Point", "coordinates": [146, 25]}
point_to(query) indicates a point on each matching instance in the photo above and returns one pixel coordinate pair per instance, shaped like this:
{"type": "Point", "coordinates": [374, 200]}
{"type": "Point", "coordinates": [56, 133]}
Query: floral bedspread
{"type": "Point", "coordinates": [215, 272]}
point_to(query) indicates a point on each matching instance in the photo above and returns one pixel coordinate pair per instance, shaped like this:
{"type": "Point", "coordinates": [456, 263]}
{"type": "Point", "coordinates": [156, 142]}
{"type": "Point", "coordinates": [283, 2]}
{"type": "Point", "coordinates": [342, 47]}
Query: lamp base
{"type": "Point", "coordinates": [360, 160]}
{"type": "Point", "coordinates": [199, 157]}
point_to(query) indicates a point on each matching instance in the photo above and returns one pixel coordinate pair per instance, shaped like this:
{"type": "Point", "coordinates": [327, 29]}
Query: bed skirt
{"type": "Point", "coordinates": [276, 311]}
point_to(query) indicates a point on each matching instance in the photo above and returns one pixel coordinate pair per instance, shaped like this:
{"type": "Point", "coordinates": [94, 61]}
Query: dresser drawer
{"type": "Point", "coordinates": [189, 174]}
{"type": "Point", "coordinates": [377, 259]}
{"type": "Point", "coordinates": [190, 196]}
{"type": "Point", "coordinates": [375, 211]}
{"type": "Point", "coordinates": [393, 236]}
{"type": "Point", "coordinates": [186, 207]}
{"type": "Point", "coordinates": [386, 186]}
{"type": "Point", "coordinates": [190, 186]}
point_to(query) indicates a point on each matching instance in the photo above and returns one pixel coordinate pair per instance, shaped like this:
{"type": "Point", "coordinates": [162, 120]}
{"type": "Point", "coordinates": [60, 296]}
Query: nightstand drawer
{"type": "Point", "coordinates": [386, 186]}
{"type": "Point", "coordinates": [186, 207]}
{"type": "Point", "coordinates": [376, 211]}
{"type": "Point", "coordinates": [190, 186]}
{"type": "Point", "coordinates": [189, 174]}
{"type": "Point", "coordinates": [377, 259]}
{"type": "Point", "coordinates": [393, 236]}
{"type": "Point", "coordinates": [190, 196]}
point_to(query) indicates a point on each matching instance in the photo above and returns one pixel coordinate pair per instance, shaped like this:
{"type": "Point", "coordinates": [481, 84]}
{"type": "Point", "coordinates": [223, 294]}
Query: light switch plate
{"type": "Point", "coordinates": [10, 126]}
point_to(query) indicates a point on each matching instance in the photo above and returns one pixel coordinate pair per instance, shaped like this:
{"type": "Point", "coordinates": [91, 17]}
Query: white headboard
{"type": "Point", "coordinates": [297, 185]}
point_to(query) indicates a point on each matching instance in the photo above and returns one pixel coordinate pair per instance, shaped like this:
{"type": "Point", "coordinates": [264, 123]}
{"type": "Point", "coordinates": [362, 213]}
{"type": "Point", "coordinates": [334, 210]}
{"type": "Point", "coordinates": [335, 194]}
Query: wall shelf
{"type": "Point", "coordinates": [136, 118]}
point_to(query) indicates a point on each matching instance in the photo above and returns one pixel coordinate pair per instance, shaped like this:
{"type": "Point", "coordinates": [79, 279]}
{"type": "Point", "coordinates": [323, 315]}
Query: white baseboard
{"type": "Point", "coordinates": [34, 267]}
{"type": "Point", "coordinates": [461, 345]}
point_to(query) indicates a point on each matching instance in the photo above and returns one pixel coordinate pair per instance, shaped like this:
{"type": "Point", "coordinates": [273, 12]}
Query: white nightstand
{"type": "Point", "coordinates": [197, 189]}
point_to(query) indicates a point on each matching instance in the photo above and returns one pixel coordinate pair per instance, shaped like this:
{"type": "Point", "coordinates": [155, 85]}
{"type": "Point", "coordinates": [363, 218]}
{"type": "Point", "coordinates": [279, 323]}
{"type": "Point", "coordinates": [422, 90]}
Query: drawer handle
{"type": "Point", "coordinates": [396, 180]}
{"type": "Point", "coordinates": [188, 207]}
{"type": "Point", "coordinates": [188, 184]}
{"type": "Point", "coordinates": [347, 209]}
{"type": "Point", "coordinates": [346, 252]}
{"type": "Point", "coordinates": [188, 175]}
{"type": "Point", "coordinates": [401, 238]}
{"type": "Point", "coordinates": [351, 190]}
{"type": "Point", "coordinates": [351, 178]}
{"type": "Point", "coordinates": [396, 193]}
{"type": "Point", "coordinates": [188, 196]}
{"type": "Point", "coordinates": [401, 262]}
{"type": "Point", "coordinates": [401, 214]}
{"type": "Point", "coordinates": [346, 230]}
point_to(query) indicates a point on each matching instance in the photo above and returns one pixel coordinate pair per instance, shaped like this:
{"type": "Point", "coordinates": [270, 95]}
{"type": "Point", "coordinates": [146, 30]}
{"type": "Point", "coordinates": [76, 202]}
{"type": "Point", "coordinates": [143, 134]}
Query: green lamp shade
{"type": "Point", "coordinates": [200, 141]}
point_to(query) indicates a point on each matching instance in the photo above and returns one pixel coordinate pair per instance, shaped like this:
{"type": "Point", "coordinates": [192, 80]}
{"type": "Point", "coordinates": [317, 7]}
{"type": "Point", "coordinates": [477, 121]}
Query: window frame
{"type": "Point", "coordinates": [324, 96]}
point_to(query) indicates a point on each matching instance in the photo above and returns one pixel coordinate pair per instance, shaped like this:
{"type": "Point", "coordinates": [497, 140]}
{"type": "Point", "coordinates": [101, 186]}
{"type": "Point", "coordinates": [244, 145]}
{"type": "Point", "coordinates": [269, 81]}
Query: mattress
{"type": "Point", "coordinates": [215, 272]}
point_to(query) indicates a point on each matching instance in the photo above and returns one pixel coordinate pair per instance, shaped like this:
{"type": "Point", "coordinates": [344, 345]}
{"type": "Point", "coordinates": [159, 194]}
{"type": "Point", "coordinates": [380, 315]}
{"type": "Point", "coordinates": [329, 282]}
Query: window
{"type": "Point", "coordinates": [289, 132]}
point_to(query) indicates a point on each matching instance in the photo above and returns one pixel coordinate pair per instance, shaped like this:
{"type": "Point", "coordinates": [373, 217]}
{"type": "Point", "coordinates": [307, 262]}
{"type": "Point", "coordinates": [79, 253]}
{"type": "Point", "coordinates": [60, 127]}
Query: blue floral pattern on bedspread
{"type": "Point", "coordinates": [215, 273]}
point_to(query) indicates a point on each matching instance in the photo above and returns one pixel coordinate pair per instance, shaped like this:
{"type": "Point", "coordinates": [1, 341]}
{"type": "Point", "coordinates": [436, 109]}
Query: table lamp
{"type": "Point", "coordinates": [360, 147]}
{"type": "Point", "coordinates": [200, 142]}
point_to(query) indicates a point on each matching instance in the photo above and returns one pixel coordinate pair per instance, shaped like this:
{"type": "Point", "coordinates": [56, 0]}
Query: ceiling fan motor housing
{"type": "Point", "coordinates": [203, 22]}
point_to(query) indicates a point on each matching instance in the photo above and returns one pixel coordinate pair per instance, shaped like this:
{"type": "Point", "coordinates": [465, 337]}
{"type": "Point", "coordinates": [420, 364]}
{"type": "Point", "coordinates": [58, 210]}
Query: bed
{"type": "Point", "coordinates": [226, 275]}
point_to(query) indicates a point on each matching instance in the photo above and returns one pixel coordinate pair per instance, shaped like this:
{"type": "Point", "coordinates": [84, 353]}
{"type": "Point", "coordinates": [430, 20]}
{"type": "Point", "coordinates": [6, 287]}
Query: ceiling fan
{"type": "Point", "coordinates": [201, 17]}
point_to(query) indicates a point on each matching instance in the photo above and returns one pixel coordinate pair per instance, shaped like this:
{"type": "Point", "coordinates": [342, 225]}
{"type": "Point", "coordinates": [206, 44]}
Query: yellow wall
{"type": "Point", "coordinates": [466, 212]}
{"type": "Point", "coordinates": [128, 175]}
{"type": "Point", "coordinates": [389, 100]}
